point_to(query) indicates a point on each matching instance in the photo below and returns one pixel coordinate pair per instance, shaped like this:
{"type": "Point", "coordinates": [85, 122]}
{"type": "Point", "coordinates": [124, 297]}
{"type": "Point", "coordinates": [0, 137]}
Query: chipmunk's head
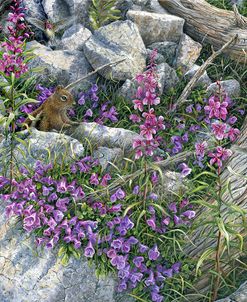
{"type": "Point", "coordinates": [63, 98]}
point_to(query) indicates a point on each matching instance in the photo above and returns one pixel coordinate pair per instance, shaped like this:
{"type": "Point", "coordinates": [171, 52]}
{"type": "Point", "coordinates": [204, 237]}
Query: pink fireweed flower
{"type": "Point", "coordinates": [200, 148]}
{"type": "Point", "coordinates": [215, 108]}
{"type": "Point", "coordinates": [219, 130]}
{"type": "Point", "coordinates": [147, 131]}
{"type": "Point", "coordinates": [233, 133]}
{"type": "Point", "coordinates": [220, 155]}
{"type": "Point", "coordinates": [138, 105]}
{"type": "Point", "coordinates": [135, 118]}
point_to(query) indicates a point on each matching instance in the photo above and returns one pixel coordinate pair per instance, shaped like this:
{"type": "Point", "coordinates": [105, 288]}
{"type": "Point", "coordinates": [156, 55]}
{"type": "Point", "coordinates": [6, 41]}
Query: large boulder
{"type": "Point", "coordinates": [28, 274]}
{"type": "Point", "coordinates": [104, 136]}
{"type": "Point", "coordinates": [58, 10]}
{"type": "Point", "coordinates": [75, 37]}
{"type": "Point", "coordinates": [34, 8]}
{"type": "Point", "coordinates": [230, 87]}
{"type": "Point", "coordinates": [113, 42]}
{"type": "Point", "coordinates": [59, 66]}
{"type": "Point", "coordinates": [155, 27]}
{"type": "Point", "coordinates": [187, 53]}
{"type": "Point", "coordinates": [44, 146]}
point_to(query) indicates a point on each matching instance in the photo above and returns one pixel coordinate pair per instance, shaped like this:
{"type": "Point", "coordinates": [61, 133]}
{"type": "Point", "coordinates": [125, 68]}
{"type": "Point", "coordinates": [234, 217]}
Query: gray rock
{"type": "Point", "coordinates": [203, 80]}
{"type": "Point", "coordinates": [104, 136]}
{"type": "Point", "coordinates": [157, 27]}
{"type": "Point", "coordinates": [28, 274]}
{"type": "Point", "coordinates": [60, 66]}
{"type": "Point", "coordinates": [57, 10]}
{"type": "Point", "coordinates": [170, 184]}
{"type": "Point", "coordinates": [148, 5]}
{"type": "Point", "coordinates": [75, 37]}
{"type": "Point", "coordinates": [166, 49]}
{"type": "Point", "coordinates": [187, 53]}
{"type": "Point", "coordinates": [34, 8]}
{"type": "Point", "coordinates": [167, 77]}
{"type": "Point", "coordinates": [154, 6]}
{"type": "Point", "coordinates": [109, 155]}
{"type": "Point", "coordinates": [230, 87]}
{"type": "Point", "coordinates": [239, 296]}
{"type": "Point", "coordinates": [114, 42]}
{"type": "Point", "coordinates": [128, 89]}
{"type": "Point", "coordinates": [44, 146]}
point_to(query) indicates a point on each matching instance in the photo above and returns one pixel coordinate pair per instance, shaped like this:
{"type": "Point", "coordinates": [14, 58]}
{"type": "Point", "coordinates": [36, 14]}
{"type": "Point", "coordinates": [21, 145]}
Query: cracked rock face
{"type": "Point", "coordinates": [60, 146]}
{"type": "Point", "coordinates": [113, 42]}
{"type": "Point", "coordinates": [157, 27]}
{"type": "Point", "coordinates": [104, 136]}
{"type": "Point", "coordinates": [75, 37]}
{"type": "Point", "coordinates": [230, 87]}
{"type": "Point", "coordinates": [60, 66]}
{"type": "Point", "coordinates": [28, 274]}
{"type": "Point", "coordinates": [187, 53]}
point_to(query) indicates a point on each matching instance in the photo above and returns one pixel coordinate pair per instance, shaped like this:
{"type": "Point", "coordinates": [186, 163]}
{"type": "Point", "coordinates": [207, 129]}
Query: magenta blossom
{"type": "Point", "coordinates": [219, 130]}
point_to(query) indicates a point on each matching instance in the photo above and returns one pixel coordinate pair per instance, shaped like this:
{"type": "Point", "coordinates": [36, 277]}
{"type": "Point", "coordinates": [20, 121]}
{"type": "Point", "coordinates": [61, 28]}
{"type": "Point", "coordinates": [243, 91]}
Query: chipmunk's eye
{"type": "Point", "coordinates": [64, 98]}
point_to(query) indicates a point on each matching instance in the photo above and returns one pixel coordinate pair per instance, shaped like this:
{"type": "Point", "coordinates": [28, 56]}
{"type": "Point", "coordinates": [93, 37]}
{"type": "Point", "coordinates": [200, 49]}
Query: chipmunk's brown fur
{"type": "Point", "coordinates": [52, 114]}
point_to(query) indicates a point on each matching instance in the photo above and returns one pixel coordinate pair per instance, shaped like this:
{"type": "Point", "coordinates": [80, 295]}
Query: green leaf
{"type": "Point", "coordinates": [62, 251]}
{"type": "Point", "coordinates": [65, 260]}
{"type": "Point", "coordinates": [204, 257]}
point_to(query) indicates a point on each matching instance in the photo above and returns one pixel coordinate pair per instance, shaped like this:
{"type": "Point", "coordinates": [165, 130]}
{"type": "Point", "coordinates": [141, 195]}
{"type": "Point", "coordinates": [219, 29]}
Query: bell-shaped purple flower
{"type": "Point", "coordinates": [89, 250]}
{"type": "Point", "coordinates": [153, 253]}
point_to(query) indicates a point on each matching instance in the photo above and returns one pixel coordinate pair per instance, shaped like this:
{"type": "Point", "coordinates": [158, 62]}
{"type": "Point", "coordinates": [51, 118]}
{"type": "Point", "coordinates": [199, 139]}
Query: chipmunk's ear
{"type": "Point", "coordinates": [59, 88]}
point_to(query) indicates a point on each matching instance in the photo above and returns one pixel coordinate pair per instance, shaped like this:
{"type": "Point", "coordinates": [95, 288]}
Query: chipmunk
{"type": "Point", "coordinates": [52, 114]}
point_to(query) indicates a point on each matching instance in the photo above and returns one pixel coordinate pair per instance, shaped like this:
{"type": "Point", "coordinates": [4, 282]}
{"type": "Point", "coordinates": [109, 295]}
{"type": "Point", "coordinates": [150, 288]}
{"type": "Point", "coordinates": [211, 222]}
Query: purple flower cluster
{"type": "Point", "coordinates": [136, 262]}
{"type": "Point", "coordinates": [146, 98]}
{"type": "Point", "coordinates": [99, 113]}
{"type": "Point", "coordinates": [12, 58]}
{"type": "Point", "coordinates": [45, 204]}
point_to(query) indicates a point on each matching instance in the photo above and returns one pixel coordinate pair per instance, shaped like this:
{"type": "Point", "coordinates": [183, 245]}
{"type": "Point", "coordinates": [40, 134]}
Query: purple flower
{"type": "Point", "coordinates": [94, 180]}
{"type": "Point", "coordinates": [151, 223]}
{"type": "Point", "coordinates": [105, 179]}
{"type": "Point", "coordinates": [136, 190]}
{"type": "Point", "coordinates": [117, 244]}
{"type": "Point", "coordinates": [119, 262]}
{"type": "Point", "coordinates": [176, 267]}
{"type": "Point", "coordinates": [189, 214]}
{"type": "Point", "coordinates": [89, 250]}
{"type": "Point", "coordinates": [200, 148]}
{"type": "Point", "coordinates": [62, 186]}
{"type": "Point", "coordinates": [189, 109]}
{"type": "Point", "coordinates": [143, 248]}
{"type": "Point", "coordinates": [111, 253]}
{"type": "Point", "coordinates": [153, 253]}
{"type": "Point", "coordinates": [173, 207]}
{"type": "Point", "coordinates": [138, 261]}
{"type": "Point", "coordinates": [185, 170]}
{"type": "Point", "coordinates": [58, 215]}
{"type": "Point", "coordinates": [150, 280]}
{"type": "Point", "coordinates": [168, 272]}
{"type": "Point", "coordinates": [122, 286]}
{"type": "Point", "coordinates": [156, 297]}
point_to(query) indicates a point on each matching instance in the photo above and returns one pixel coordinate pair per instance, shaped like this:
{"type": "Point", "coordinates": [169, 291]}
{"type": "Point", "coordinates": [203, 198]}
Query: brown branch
{"type": "Point", "coordinates": [187, 90]}
{"type": "Point", "coordinates": [240, 20]}
{"type": "Point", "coordinates": [92, 73]}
